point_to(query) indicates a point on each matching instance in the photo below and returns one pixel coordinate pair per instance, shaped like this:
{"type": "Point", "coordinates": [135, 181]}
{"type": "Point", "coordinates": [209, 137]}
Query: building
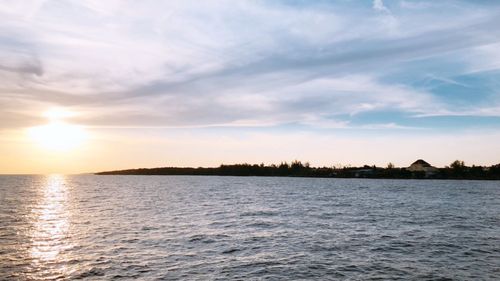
{"type": "Point", "coordinates": [422, 166]}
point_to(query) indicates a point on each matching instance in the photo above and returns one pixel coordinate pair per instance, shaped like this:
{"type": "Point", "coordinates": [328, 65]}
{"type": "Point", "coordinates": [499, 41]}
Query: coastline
{"type": "Point", "coordinates": [297, 169]}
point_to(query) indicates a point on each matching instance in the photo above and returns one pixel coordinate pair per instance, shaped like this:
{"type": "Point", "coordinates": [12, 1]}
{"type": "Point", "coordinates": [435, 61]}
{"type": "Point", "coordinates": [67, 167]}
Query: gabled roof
{"type": "Point", "coordinates": [421, 162]}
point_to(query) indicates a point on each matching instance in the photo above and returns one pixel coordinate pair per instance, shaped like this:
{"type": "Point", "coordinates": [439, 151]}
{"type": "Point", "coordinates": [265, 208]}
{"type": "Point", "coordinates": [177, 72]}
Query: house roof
{"type": "Point", "coordinates": [421, 162]}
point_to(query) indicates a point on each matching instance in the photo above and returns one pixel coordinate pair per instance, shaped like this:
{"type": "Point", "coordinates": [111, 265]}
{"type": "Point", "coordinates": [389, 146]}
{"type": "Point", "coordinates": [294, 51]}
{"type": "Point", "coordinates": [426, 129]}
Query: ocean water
{"type": "Point", "coordinates": [247, 228]}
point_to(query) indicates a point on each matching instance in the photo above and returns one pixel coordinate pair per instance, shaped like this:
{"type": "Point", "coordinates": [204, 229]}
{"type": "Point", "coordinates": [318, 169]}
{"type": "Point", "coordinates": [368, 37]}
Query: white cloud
{"type": "Point", "coordinates": [484, 58]}
{"type": "Point", "coordinates": [378, 5]}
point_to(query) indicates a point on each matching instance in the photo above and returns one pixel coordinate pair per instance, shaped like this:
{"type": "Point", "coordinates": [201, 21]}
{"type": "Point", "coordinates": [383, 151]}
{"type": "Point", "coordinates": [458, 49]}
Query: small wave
{"type": "Point", "coordinates": [148, 228]}
{"type": "Point", "coordinates": [207, 239]}
{"type": "Point", "coordinates": [258, 214]}
{"type": "Point", "coordinates": [350, 268]}
{"type": "Point", "coordinates": [92, 272]}
{"type": "Point", "coordinates": [230, 251]}
{"type": "Point", "coordinates": [138, 268]}
{"type": "Point", "coordinates": [262, 224]}
{"type": "Point", "coordinates": [132, 240]}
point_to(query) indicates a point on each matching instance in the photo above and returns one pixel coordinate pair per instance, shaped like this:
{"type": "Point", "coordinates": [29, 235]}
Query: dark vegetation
{"type": "Point", "coordinates": [456, 170]}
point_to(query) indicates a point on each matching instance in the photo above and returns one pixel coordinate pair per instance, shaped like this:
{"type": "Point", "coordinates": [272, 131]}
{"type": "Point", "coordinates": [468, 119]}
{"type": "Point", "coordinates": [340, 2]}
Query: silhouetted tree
{"type": "Point", "coordinates": [457, 164]}
{"type": "Point", "coordinates": [458, 169]}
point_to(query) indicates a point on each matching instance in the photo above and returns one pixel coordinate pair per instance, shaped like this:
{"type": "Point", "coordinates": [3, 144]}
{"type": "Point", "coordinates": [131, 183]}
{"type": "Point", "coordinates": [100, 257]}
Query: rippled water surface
{"type": "Point", "coordinates": [247, 228]}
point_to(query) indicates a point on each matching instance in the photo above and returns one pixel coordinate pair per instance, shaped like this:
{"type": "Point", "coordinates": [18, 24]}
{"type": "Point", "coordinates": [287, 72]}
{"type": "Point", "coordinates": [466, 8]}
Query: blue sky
{"type": "Point", "coordinates": [335, 69]}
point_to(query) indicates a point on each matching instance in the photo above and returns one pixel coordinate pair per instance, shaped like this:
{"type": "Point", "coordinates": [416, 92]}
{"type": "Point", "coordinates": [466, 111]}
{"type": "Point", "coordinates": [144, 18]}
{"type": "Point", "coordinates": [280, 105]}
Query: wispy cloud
{"type": "Point", "coordinates": [226, 63]}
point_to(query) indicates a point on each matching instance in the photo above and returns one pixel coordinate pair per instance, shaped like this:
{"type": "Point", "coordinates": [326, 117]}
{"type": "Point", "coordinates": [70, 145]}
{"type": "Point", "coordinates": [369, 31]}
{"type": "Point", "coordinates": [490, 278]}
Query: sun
{"type": "Point", "coordinates": [58, 135]}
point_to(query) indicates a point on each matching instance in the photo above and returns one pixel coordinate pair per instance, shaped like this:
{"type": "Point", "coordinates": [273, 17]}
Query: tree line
{"type": "Point", "coordinates": [456, 170]}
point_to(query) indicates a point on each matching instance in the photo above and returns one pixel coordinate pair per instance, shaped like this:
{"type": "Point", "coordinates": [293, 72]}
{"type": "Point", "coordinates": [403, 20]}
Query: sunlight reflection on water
{"type": "Point", "coordinates": [50, 220]}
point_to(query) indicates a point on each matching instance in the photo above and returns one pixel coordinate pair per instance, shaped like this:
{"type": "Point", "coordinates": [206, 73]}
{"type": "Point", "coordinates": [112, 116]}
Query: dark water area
{"type": "Point", "coordinates": [247, 228]}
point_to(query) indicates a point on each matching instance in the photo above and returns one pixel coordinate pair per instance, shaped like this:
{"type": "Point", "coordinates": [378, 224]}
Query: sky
{"type": "Point", "coordinates": [90, 85]}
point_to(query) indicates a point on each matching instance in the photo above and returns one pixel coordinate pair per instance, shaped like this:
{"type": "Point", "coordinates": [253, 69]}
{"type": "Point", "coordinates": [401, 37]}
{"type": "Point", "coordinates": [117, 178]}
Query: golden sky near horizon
{"type": "Point", "coordinates": [58, 146]}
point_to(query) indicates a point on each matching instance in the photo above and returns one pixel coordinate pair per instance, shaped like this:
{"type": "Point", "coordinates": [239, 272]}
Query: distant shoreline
{"type": "Point", "coordinates": [303, 177]}
{"type": "Point", "coordinates": [456, 171]}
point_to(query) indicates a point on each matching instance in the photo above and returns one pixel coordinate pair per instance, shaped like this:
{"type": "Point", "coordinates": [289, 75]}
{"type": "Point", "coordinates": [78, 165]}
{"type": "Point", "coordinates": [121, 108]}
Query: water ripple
{"type": "Point", "coordinates": [220, 228]}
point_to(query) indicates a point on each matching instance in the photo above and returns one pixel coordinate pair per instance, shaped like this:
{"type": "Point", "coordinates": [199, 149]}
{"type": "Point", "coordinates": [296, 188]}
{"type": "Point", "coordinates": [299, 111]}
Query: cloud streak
{"type": "Point", "coordinates": [220, 63]}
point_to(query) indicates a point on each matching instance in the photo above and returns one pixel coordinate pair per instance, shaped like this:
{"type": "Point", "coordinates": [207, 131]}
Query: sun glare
{"type": "Point", "coordinates": [57, 134]}
{"type": "Point", "coordinates": [57, 113]}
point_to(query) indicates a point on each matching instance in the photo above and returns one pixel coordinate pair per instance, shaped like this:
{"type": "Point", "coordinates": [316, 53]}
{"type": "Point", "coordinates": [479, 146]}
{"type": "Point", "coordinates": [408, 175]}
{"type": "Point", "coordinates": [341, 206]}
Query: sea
{"type": "Point", "coordinates": [91, 227]}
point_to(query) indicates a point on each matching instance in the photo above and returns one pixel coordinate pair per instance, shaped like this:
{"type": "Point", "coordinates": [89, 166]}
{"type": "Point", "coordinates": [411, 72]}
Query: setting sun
{"type": "Point", "coordinates": [58, 135]}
